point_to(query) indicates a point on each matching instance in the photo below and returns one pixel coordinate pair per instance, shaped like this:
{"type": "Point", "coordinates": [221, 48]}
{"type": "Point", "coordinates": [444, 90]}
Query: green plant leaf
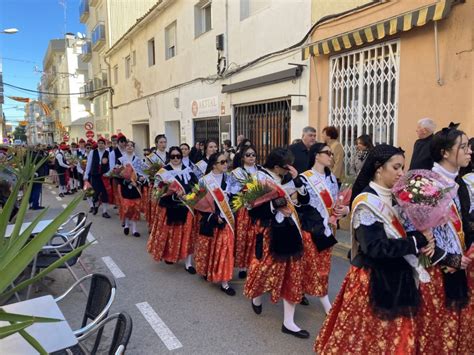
{"type": "Point", "coordinates": [18, 242]}
{"type": "Point", "coordinates": [44, 272]}
{"type": "Point", "coordinates": [16, 266]}
{"type": "Point", "coordinates": [14, 317]}
{"type": "Point", "coordinates": [6, 212]}
{"type": "Point", "coordinates": [8, 330]}
{"type": "Point", "coordinates": [33, 342]}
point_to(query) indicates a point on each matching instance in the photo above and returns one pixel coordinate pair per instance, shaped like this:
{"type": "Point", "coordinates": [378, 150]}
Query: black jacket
{"type": "Point", "coordinates": [301, 154]}
{"type": "Point", "coordinates": [421, 158]}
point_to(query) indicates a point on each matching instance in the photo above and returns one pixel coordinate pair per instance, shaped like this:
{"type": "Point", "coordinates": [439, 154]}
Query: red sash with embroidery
{"type": "Point", "coordinates": [219, 197]}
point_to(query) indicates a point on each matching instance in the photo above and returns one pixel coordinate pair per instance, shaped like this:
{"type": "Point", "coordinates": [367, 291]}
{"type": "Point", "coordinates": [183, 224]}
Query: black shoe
{"type": "Point", "coordinates": [204, 277]}
{"type": "Point", "coordinates": [84, 198]}
{"type": "Point", "coordinates": [242, 274]}
{"type": "Point", "coordinates": [38, 208]}
{"type": "Point", "coordinates": [303, 334]}
{"type": "Point", "coordinates": [115, 207]}
{"type": "Point", "coordinates": [91, 209]}
{"type": "Point", "coordinates": [61, 195]}
{"type": "Point", "coordinates": [96, 209]}
{"type": "Point", "coordinates": [126, 231]}
{"type": "Point", "coordinates": [229, 291]}
{"type": "Point", "coordinates": [304, 301]}
{"type": "Point", "coordinates": [68, 193]}
{"type": "Point", "coordinates": [136, 234]}
{"type": "Point", "coordinates": [123, 225]}
{"type": "Point", "coordinates": [256, 309]}
{"type": "Point", "coordinates": [190, 269]}
{"type": "Point", "coordinates": [105, 215]}
{"type": "Point", "coordinates": [168, 262]}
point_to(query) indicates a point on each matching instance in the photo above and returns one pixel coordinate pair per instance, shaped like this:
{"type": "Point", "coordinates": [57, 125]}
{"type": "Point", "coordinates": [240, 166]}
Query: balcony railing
{"type": "Point", "coordinates": [98, 36]}
{"type": "Point", "coordinates": [91, 88]}
{"type": "Point", "coordinates": [86, 51]}
{"type": "Point", "coordinates": [83, 10]}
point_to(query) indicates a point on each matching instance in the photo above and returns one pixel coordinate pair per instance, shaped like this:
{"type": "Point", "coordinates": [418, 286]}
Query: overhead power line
{"type": "Point", "coordinates": [57, 94]}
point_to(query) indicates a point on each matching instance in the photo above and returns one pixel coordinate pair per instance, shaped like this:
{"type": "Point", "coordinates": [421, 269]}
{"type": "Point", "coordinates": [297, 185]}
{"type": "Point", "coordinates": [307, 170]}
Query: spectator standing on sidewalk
{"type": "Point", "coordinates": [40, 174]}
{"type": "Point", "coordinates": [330, 136]}
{"type": "Point", "coordinates": [421, 158]}
{"type": "Point", "coordinates": [301, 150]}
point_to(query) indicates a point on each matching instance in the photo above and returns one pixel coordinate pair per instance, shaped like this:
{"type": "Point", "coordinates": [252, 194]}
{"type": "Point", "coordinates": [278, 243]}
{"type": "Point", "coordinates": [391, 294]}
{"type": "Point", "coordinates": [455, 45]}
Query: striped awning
{"type": "Point", "coordinates": [379, 30]}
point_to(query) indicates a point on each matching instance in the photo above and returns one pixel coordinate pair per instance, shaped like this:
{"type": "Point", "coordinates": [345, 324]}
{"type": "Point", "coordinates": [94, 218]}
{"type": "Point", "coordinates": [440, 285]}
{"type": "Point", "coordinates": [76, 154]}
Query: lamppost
{"type": "Point", "coordinates": [7, 31]}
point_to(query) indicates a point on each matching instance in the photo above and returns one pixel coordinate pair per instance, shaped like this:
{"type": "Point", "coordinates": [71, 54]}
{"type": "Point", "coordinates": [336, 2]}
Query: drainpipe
{"type": "Point", "coordinates": [439, 81]}
{"type": "Point", "coordinates": [111, 95]}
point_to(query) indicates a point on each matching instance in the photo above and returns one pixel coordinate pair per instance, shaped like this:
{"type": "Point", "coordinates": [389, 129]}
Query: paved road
{"type": "Point", "coordinates": [201, 318]}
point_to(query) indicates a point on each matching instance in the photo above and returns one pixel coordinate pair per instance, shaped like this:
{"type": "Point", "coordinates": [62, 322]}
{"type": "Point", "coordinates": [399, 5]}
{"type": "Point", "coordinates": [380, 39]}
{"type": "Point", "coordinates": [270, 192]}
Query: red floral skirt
{"type": "Point", "coordinates": [130, 209]}
{"type": "Point", "coordinates": [112, 189]}
{"type": "Point", "coordinates": [352, 328]}
{"type": "Point", "coordinates": [244, 239]}
{"type": "Point", "coordinates": [316, 268]}
{"type": "Point", "coordinates": [466, 329]}
{"type": "Point", "coordinates": [171, 243]}
{"type": "Point", "coordinates": [214, 256]}
{"type": "Point", "coordinates": [439, 328]}
{"type": "Point", "coordinates": [283, 279]}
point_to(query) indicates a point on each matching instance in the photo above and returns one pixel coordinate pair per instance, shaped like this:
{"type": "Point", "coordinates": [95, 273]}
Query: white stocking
{"type": "Point", "coordinates": [125, 223]}
{"type": "Point", "coordinates": [134, 226]}
{"type": "Point", "coordinates": [326, 304]}
{"type": "Point", "coordinates": [90, 202]}
{"type": "Point", "coordinates": [289, 316]}
{"type": "Point", "coordinates": [189, 261]}
{"type": "Point", "coordinates": [104, 207]}
{"type": "Point", "coordinates": [225, 285]}
{"type": "Point", "coordinates": [257, 301]}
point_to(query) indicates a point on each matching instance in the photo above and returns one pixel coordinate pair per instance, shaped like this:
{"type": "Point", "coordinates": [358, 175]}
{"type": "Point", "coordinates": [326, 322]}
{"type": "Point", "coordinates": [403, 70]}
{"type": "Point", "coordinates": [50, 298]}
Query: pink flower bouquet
{"type": "Point", "coordinates": [424, 196]}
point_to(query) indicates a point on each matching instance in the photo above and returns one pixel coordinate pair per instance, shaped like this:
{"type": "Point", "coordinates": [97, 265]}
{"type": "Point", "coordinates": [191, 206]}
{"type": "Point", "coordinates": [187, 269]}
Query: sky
{"type": "Point", "coordinates": [38, 21]}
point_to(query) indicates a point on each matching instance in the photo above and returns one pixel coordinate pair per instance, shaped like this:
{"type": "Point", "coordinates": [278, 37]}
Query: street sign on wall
{"type": "Point", "coordinates": [90, 134]}
{"type": "Point", "coordinates": [89, 126]}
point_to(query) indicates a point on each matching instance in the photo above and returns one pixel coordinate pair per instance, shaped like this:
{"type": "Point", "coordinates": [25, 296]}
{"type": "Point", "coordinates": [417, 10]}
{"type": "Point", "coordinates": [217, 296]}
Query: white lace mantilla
{"type": "Point", "coordinates": [316, 202]}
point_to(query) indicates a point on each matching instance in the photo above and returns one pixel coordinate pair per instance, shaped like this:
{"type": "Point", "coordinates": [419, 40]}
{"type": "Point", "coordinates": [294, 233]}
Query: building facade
{"type": "Point", "coordinates": [213, 69]}
{"type": "Point", "coordinates": [381, 67]}
{"type": "Point", "coordinates": [64, 75]}
{"type": "Point", "coordinates": [105, 22]}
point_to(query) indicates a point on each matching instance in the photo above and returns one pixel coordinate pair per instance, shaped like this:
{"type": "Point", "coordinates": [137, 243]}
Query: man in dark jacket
{"type": "Point", "coordinates": [40, 174]}
{"type": "Point", "coordinates": [421, 158]}
{"type": "Point", "coordinates": [301, 150]}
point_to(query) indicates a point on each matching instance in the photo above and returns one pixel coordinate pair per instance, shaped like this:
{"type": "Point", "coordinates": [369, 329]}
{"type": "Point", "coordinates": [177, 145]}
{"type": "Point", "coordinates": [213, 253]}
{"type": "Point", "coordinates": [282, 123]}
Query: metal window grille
{"type": "Point", "coordinates": [363, 95]}
{"type": "Point", "coordinates": [206, 129]}
{"type": "Point", "coordinates": [266, 124]}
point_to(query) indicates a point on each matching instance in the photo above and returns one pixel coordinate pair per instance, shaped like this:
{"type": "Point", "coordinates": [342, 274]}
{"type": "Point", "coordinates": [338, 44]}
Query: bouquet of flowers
{"type": "Point", "coordinates": [116, 172]}
{"type": "Point", "coordinates": [88, 190]}
{"type": "Point", "coordinates": [343, 199]}
{"type": "Point", "coordinates": [165, 189]}
{"type": "Point", "coordinates": [193, 198]}
{"type": "Point", "coordinates": [151, 168]}
{"type": "Point", "coordinates": [255, 193]}
{"type": "Point", "coordinates": [72, 160]}
{"type": "Point", "coordinates": [424, 197]}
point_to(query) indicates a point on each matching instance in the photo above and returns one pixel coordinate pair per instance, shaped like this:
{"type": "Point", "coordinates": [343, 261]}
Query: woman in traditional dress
{"type": "Point", "coordinates": [171, 238]}
{"type": "Point", "coordinates": [373, 312]}
{"type": "Point", "coordinates": [318, 234]}
{"type": "Point", "coordinates": [445, 315]}
{"type": "Point", "coordinates": [210, 147]}
{"type": "Point", "coordinates": [130, 206]}
{"type": "Point", "coordinates": [245, 228]}
{"type": "Point", "coordinates": [160, 154]}
{"type": "Point", "coordinates": [277, 265]}
{"type": "Point", "coordinates": [186, 160]}
{"type": "Point", "coordinates": [214, 243]}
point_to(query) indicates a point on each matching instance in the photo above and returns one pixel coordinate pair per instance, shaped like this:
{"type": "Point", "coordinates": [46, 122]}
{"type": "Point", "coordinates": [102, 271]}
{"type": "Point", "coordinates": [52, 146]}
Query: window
{"type": "Point", "coordinates": [116, 74]}
{"type": "Point", "coordinates": [363, 96]}
{"type": "Point", "coordinates": [134, 58]}
{"type": "Point", "coordinates": [128, 68]}
{"type": "Point", "coordinates": [170, 41]}
{"type": "Point", "coordinates": [151, 52]}
{"type": "Point", "coordinates": [251, 7]}
{"type": "Point", "coordinates": [202, 17]}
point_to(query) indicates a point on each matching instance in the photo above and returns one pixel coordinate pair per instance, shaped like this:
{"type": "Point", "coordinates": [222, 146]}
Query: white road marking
{"type": "Point", "coordinates": [59, 198]}
{"type": "Point", "coordinates": [63, 205]}
{"type": "Point", "coordinates": [113, 267]}
{"type": "Point", "coordinates": [91, 239]}
{"type": "Point", "coordinates": [160, 328]}
{"type": "Point", "coordinates": [53, 192]}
